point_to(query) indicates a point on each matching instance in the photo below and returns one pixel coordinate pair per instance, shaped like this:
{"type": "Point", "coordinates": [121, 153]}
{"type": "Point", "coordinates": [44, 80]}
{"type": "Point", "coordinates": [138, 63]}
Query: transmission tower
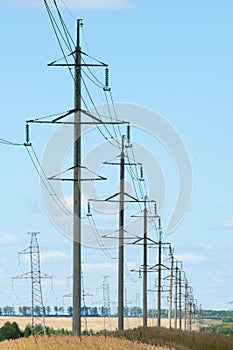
{"type": "Point", "coordinates": [35, 275]}
{"type": "Point", "coordinates": [107, 305]}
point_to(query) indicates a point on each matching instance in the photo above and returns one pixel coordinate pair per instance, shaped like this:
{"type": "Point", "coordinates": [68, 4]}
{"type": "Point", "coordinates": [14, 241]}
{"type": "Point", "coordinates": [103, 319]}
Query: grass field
{"type": "Point", "coordinates": [94, 323]}
{"type": "Point", "coordinates": [71, 343]}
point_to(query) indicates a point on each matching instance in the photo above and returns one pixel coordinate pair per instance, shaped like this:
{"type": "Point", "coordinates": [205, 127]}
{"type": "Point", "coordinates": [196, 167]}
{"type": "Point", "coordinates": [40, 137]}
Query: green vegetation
{"type": "Point", "coordinates": [217, 314]}
{"type": "Point", "coordinates": [177, 339]}
{"type": "Point", "coordinates": [225, 328]}
{"type": "Point", "coordinates": [214, 337]}
{"type": "Point", "coordinates": [12, 331]}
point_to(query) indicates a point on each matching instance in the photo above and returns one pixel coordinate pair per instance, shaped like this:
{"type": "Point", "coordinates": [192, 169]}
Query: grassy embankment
{"type": "Point", "coordinates": [139, 338]}
{"type": "Point", "coordinates": [72, 343]}
{"type": "Point", "coordinates": [178, 340]}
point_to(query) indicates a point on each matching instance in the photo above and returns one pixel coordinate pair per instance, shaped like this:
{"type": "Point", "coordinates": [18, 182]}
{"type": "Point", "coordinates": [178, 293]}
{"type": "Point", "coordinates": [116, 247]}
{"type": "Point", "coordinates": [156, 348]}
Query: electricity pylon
{"type": "Point", "coordinates": [35, 275]}
{"type": "Point", "coordinates": [107, 305]}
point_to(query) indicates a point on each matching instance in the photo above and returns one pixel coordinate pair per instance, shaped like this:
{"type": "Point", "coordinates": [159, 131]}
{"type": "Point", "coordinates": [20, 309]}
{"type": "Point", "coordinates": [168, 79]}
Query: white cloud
{"type": "Point", "coordinates": [8, 239]}
{"type": "Point", "coordinates": [227, 224]}
{"type": "Point", "coordinates": [73, 4]}
{"type": "Point", "coordinates": [190, 257]}
{"type": "Point", "coordinates": [53, 255]}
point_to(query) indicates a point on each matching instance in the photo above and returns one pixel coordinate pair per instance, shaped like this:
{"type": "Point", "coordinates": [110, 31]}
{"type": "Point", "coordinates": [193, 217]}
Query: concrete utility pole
{"type": "Point", "coordinates": [159, 273]}
{"type": "Point", "coordinates": [190, 316]}
{"type": "Point", "coordinates": [77, 164]}
{"type": "Point", "coordinates": [145, 266]}
{"type": "Point", "coordinates": [171, 289]}
{"type": "Point", "coordinates": [145, 241]}
{"type": "Point", "coordinates": [121, 241]}
{"type": "Point", "coordinates": [180, 299]}
{"type": "Point", "coordinates": [190, 308]}
{"type": "Point", "coordinates": [176, 294]}
{"type": "Point", "coordinates": [122, 194]}
{"type": "Point", "coordinates": [158, 267]}
{"type": "Point", "coordinates": [77, 191]}
{"type": "Point", "coordinates": [186, 305]}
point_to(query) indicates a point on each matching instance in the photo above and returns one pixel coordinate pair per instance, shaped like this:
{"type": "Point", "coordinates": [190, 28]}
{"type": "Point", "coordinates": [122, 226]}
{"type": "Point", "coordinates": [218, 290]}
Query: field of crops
{"type": "Point", "coordinates": [94, 323]}
{"type": "Point", "coordinates": [71, 343]}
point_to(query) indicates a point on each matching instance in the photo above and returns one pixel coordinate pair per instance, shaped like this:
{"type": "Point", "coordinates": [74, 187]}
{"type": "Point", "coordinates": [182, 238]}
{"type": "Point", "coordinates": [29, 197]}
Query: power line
{"type": "Point", "coordinates": [10, 143]}
{"type": "Point", "coordinates": [98, 237]}
{"type": "Point", "coordinates": [49, 188]}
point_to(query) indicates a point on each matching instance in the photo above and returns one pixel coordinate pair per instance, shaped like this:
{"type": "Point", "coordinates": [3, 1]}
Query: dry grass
{"type": "Point", "coordinates": [177, 339]}
{"type": "Point", "coordinates": [72, 343]}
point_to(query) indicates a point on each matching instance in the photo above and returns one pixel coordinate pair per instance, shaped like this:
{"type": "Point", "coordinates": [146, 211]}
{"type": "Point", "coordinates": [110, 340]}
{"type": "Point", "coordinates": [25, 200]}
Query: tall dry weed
{"type": "Point", "coordinates": [75, 343]}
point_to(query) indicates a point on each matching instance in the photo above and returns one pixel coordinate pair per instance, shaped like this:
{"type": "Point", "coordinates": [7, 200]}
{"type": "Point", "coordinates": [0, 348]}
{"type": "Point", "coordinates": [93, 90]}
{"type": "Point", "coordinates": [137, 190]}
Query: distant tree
{"type": "Point", "coordinates": [227, 319]}
{"type": "Point", "coordinates": [152, 313]}
{"type": "Point", "coordinates": [94, 312]}
{"type": "Point", "coordinates": [61, 310]}
{"type": "Point", "coordinates": [84, 311]}
{"type": "Point", "coordinates": [48, 310]}
{"type": "Point", "coordinates": [135, 311]}
{"type": "Point", "coordinates": [126, 311]}
{"type": "Point", "coordinates": [56, 310]}
{"type": "Point", "coordinates": [70, 311]}
{"type": "Point", "coordinates": [26, 311]}
{"type": "Point", "coordinates": [8, 310]}
{"type": "Point", "coordinates": [38, 310]}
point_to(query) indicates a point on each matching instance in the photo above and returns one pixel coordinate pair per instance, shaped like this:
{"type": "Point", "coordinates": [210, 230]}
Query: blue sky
{"type": "Point", "coordinates": [174, 57]}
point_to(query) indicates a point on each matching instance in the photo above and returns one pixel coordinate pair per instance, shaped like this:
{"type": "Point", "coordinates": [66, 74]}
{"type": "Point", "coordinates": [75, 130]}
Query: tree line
{"type": "Point", "coordinates": [133, 311]}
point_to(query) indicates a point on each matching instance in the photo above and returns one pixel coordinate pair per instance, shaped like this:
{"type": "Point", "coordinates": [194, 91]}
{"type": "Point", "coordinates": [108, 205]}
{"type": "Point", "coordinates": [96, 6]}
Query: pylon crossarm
{"type": "Point", "coordinates": [148, 239]}
{"type": "Point", "coordinates": [110, 199]}
{"type": "Point", "coordinates": [71, 111]}
{"type": "Point", "coordinates": [56, 177]}
{"type": "Point", "coordinates": [110, 235]}
{"type": "Point", "coordinates": [44, 275]}
{"type": "Point", "coordinates": [101, 121]}
{"type": "Point", "coordinates": [113, 196]}
{"type": "Point", "coordinates": [78, 180]}
{"type": "Point", "coordinates": [25, 251]}
{"type": "Point", "coordinates": [24, 275]}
